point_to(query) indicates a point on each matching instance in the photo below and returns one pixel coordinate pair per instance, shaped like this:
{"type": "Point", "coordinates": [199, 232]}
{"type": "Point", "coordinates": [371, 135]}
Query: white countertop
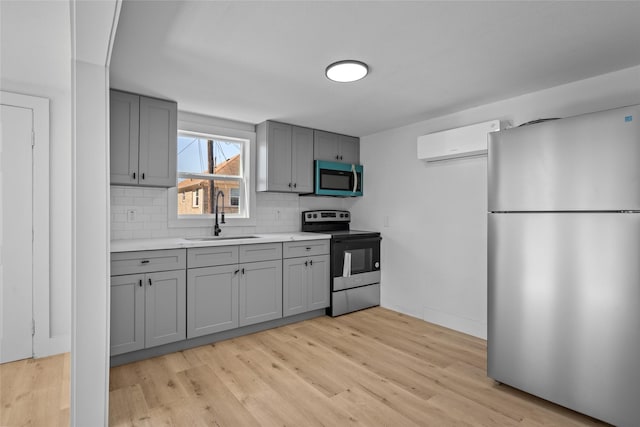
{"type": "Point", "coordinates": [181, 242]}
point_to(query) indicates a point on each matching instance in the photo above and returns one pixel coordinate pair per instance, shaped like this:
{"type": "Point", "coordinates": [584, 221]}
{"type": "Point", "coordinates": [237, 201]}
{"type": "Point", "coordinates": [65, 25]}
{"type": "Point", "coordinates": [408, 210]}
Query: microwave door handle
{"type": "Point", "coordinates": [355, 177]}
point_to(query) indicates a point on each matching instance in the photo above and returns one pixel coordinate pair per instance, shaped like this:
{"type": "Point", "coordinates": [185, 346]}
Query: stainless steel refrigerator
{"type": "Point", "coordinates": [564, 262]}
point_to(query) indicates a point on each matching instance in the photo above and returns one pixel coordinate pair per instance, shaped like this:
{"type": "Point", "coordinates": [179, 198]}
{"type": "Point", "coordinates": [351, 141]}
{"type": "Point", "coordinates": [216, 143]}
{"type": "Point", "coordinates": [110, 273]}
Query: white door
{"type": "Point", "coordinates": [16, 213]}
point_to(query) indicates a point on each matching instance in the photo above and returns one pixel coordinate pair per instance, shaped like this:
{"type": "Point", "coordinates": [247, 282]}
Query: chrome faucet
{"type": "Point", "coordinates": [216, 227]}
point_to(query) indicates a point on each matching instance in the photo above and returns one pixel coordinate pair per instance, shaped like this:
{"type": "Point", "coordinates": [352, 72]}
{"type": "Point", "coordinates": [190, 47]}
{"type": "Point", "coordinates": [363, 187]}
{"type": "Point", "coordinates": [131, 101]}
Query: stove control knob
{"type": "Point", "coordinates": [341, 215]}
{"type": "Point", "coordinates": [315, 215]}
{"type": "Point", "coordinates": [346, 215]}
{"type": "Point", "coordinates": [377, 264]}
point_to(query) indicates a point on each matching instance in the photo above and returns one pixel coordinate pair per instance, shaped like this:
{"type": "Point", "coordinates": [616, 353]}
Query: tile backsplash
{"type": "Point", "coordinates": [141, 213]}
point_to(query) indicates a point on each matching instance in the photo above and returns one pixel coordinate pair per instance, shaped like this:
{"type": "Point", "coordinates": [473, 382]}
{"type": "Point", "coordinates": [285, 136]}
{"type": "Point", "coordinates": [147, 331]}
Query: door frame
{"type": "Point", "coordinates": [42, 344]}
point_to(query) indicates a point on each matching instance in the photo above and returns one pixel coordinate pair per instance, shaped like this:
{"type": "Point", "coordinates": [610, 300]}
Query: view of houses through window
{"type": "Point", "coordinates": [208, 165]}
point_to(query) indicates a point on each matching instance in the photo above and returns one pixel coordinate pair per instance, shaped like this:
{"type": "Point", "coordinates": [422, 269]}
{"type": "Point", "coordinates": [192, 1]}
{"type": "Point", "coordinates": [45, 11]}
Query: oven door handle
{"type": "Point", "coordinates": [354, 239]}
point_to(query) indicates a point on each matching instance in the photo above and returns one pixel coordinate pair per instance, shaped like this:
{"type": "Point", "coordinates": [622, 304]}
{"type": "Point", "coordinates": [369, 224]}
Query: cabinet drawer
{"type": "Point", "coordinates": [260, 252]}
{"type": "Point", "coordinates": [212, 256]}
{"type": "Point", "coordinates": [147, 261]}
{"type": "Point", "coordinates": [305, 248]}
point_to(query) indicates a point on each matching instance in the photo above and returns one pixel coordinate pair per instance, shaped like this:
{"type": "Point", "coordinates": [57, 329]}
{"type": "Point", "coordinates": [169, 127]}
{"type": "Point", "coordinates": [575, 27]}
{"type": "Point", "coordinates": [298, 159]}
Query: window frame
{"type": "Point", "coordinates": [195, 198]}
{"type": "Point", "coordinates": [208, 127]}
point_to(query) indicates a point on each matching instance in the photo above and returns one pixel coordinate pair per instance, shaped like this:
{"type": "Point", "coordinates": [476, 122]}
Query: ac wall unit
{"type": "Point", "coordinates": [465, 141]}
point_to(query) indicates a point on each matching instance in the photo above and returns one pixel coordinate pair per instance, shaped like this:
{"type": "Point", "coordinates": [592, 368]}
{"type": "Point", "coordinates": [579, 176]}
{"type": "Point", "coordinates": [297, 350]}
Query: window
{"type": "Point", "coordinates": [210, 168]}
{"type": "Point", "coordinates": [235, 197]}
{"type": "Point", "coordinates": [195, 196]}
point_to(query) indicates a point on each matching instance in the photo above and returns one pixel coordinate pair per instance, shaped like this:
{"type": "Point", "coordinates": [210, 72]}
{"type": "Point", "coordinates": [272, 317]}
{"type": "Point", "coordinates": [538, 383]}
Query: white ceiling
{"type": "Point", "coordinates": [253, 61]}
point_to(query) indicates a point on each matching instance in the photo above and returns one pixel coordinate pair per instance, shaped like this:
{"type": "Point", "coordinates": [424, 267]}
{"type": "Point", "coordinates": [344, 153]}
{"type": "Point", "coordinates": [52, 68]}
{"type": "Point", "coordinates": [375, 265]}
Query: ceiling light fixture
{"type": "Point", "coordinates": [347, 71]}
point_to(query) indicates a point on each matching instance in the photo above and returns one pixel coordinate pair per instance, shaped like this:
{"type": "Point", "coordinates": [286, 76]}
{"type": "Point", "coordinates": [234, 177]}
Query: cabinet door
{"type": "Point", "coordinates": [302, 160]}
{"type": "Point", "coordinates": [325, 146]}
{"type": "Point", "coordinates": [279, 157]}
{"type": "Point", "coordinates": [123, 145]}
{"type": "Point", "coordinates": [127, 313]}
{"type": "Point", "coordinates": [165, 307]}
{"type": "Point", "coordinates": [260, 292]}
{"type": "Point", "coordinates": [294, 286]}
{"type": "Point", "coordinates": [158, 142]}
{"type": "Point", "coordinates": [349, 149]}
{"type": "Point", "coordinates": [318, 282]}
{"type": "Point", "coordinates": [212, 299]}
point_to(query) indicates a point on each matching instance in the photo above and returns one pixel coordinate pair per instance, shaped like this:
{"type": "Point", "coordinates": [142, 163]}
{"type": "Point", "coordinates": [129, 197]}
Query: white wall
{"type": "Point", "coordinates": [36, 60]}
{"type": "Point", "coordinates": [434, 247]}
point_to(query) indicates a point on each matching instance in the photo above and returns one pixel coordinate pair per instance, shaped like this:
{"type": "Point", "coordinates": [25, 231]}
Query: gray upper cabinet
{"type": "Point", "coordinates": [143, 140]}
{"type": "Point", "coordinates": [335, 147]}
{"type": "Point", "coordinates": [158, 142]}
{"type": "Point", "coordinates": [284, 158]}
{"type": "Point", "coordinates": [125, 133]}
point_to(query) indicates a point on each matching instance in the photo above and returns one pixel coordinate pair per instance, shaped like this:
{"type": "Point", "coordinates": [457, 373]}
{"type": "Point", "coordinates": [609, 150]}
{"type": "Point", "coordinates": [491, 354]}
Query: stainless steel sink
{"type": "Point", "coordinates": [214, 238]}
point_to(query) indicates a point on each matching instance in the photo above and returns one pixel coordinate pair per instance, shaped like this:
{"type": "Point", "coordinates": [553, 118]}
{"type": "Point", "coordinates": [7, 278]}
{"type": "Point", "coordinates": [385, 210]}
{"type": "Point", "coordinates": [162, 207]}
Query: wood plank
{"type": "Point", "coordinates": [35, 392]}
{"type": "Point", "coordinates": [373, 367]}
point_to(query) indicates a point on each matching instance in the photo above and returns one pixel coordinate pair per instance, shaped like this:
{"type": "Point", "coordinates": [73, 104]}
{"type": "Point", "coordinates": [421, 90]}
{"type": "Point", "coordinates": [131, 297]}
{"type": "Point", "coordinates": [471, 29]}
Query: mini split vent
{"type": "Point", "coordinates": [467, 141]}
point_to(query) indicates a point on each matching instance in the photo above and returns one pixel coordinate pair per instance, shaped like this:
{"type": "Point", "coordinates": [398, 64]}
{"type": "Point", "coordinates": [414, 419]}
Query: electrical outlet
{"type": "Point", "coordinates": [131, 215]}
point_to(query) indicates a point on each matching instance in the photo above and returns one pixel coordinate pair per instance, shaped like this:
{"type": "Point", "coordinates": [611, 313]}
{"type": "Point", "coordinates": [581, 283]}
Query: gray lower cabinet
{"type": "Point", "coordinates": [232, 286]}
{"type": "Point", "coordinates": [260, 292]}
{"type": "Point", "coordinates": [147, 310]}
{"type": "Point", "coordinates": [305, 284]}
{"type": "Point", "coordinates": [148, 299]}
{"type": "Point", "coordinates": [212, 299]}
{"type": "Point", "coordinates": [165, 307]}
{"type": "Point", "coordinates": [127, 313]}
{"type": "Point", "coordinates": [306, 277]}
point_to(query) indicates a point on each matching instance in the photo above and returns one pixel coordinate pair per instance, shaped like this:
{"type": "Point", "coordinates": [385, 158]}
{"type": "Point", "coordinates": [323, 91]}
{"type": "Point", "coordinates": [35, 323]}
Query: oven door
{"type": "Point", "coordinates": [355, 262]}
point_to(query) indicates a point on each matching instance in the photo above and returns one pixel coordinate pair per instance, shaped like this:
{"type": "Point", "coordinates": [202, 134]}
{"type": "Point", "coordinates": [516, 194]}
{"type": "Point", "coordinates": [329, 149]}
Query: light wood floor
{"type": "Point", "coordinates": [370, 368]}
{"type": "Point", "coordinates": [35, 392]}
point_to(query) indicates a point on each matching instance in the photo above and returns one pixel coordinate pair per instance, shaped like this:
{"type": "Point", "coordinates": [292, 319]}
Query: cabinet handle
{"type": "Point", "coordinates": [149, 281]}
{"type": "Point", "coordinates": [308, 249]}
{"type": "Point", "coordinates": [337, 157]}
{"type": "Point", "coordinates": [306, 263]}
{"type": "Point", "coordinates": [237, 271]}
{"type": "Point", "coordinates": [311, 262]}
{"type": "Point", "coordinates": [340, 157]}
{"type": "Point", "coordinates": [140, 283]}
{"type": "Point", "coordinates": [144, 261]}
{"type": "Point", "coordinates": [289, 185]}
{"type": "Point", "coordinates": [243, 271]}
{"type": "Point", "coordinates": [134, 175]}
{"type": "Point", "coordinates": [142, 175]}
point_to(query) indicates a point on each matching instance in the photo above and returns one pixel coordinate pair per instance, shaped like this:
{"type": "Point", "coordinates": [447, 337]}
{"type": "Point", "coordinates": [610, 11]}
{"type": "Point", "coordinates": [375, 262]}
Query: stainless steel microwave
{"type": "Point", "coordinates": [337, 179]}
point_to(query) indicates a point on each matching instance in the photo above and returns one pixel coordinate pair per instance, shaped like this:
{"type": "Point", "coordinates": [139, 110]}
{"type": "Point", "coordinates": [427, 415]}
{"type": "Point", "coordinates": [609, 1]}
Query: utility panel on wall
{"type": "Point", "coordinates": [466, 141]}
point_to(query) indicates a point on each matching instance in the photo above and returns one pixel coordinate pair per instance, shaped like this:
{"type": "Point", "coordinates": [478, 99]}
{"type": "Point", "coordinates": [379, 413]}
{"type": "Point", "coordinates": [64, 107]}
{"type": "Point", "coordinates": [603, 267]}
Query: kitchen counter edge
{"type": "Point", "coordinates": [181, 242]}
